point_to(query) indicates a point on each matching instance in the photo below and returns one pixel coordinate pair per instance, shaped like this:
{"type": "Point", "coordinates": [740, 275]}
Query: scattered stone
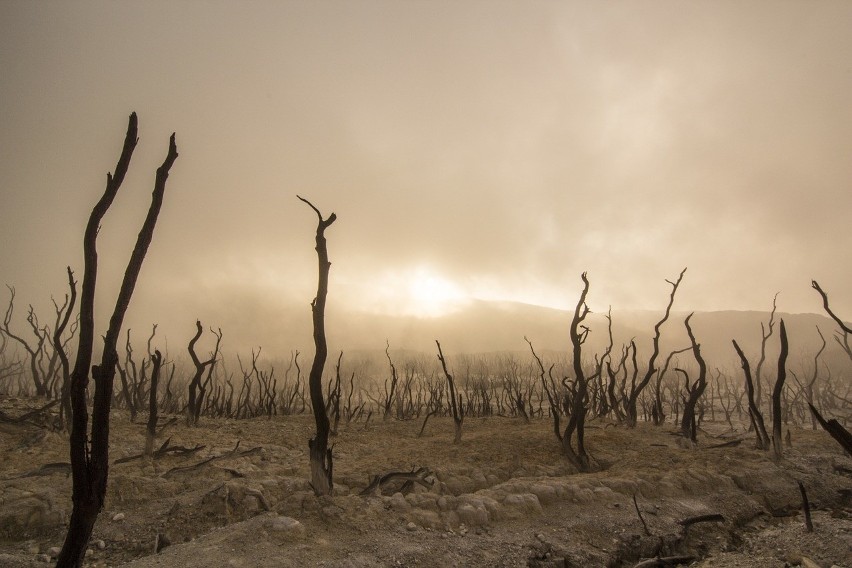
{"type": "Point", "coordinates": [411, 526]}
{"type": "Point", "coordinates": [53, 551]}
{"type": "Point", "coordinates": [118, 517]}
{"type": "Point", "coordinates": [99, 544]}
{"type": "Point", "coordinates": [43, 558]}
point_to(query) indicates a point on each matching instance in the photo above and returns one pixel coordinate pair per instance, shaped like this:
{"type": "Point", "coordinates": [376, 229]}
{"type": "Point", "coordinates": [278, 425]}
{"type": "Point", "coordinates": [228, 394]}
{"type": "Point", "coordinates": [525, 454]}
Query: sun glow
{"type": "Point", "coordinates": [414, 291]}
{"type": "Point", "coordinates": [432, 295]}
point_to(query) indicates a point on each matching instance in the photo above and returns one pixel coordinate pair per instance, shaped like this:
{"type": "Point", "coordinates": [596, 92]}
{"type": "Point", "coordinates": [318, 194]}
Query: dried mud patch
{"type": "Point", "coordinates": [503, 497]}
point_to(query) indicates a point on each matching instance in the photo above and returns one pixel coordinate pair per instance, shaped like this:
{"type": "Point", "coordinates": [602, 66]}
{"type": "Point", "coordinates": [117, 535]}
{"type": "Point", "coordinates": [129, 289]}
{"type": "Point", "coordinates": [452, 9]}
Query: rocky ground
{"type": "Point", "coordinates": [503, 497]}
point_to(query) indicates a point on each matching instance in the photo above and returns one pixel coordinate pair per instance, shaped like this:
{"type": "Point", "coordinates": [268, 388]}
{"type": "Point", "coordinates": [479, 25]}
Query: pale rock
{"type": "Point", "coordinates": [286, 528]}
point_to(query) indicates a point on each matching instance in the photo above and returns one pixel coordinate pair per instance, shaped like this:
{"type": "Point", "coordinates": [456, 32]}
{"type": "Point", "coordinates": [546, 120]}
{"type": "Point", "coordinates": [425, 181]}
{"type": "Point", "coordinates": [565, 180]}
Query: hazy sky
{"type": "Point", "coordinates": [491, 150]}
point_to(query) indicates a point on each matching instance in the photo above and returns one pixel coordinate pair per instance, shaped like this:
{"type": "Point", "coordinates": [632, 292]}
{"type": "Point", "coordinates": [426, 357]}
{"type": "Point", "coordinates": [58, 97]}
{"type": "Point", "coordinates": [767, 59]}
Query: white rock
{"type": "Point", "coordinates": [118, 517]}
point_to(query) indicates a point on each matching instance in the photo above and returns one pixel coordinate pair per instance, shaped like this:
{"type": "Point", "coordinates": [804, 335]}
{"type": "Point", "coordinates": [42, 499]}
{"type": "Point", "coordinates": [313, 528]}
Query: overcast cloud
{"type": "Point", "coordinates": [491, 149]}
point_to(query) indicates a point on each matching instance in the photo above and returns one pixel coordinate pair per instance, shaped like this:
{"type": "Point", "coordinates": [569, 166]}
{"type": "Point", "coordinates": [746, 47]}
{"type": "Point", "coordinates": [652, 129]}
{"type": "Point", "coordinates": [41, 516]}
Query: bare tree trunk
{"type": "Point", "coordinates": [776, 393]}
{"type": "Point", "coordinates": [842, 339]}
{"type": "Point", "coordinates": [764, 335]}
{"type": "Point", "coordinates": [455, 405]}
{"type": "Point", "coordinates": [90, 461]}
{"type": "Point", "coordinates": [65, 401]}
{"type": "Point", "coordinates": [688, 426]}
{"type": "Point", "coordinates": [151, 426]}
{"type": "Point", "coordinates": [320, 454]}
{"type": "Point", "coordinates": [754, 411]}
{"type": "Point", "coordinates": [577, 420]}
{"type": "Point", "coordinates": [196, 390]}
{"type": "Point", "coordinates": [636, 390]}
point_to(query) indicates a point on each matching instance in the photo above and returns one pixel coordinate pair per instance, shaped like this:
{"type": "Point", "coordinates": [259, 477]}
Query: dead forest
{"type": "Point", "coordinates": [50, 383]}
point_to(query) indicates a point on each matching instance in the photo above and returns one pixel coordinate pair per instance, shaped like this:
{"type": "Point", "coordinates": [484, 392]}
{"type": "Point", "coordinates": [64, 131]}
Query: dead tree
{"type": "Point", "coordinates": [636, 389]}
{"type": "Point", "coordinates": [579, 392]}
{"type": "Point", "coordinates": [764, 337]}
{"type": "Point", "coordinates": [90, 457]}
{"type": "Point", "coordinates": [658, 414]}
{"type": "Point", "coordinates": [842, 339]}
{"type": "Point", "coordinates": [333, 404]}
{"type": "Point", "coordinates": [394, 380]}
{"type": "Point", "coordinates": [36, 351]}
{"type": "Point", "coordinates": [455, 406]}
{"type": "Point", "coordinates": [808, 388]}
{"type": "Point", "coordinates": [550, 390]}
{"type": "Point", "coordinates": [776, 393]}
{"type": "Point", "coordinates": [9, 368]}
{"type": "Point", "coordinates": [320, 453]}
{"type": "Point", "coordinates": [151, 426]}
{"type": "Point", "coordinates": [687, 425]}
{"type": "Point", "coordinates": [58, 345]}
{"type": "Point", "coordinates": [753, 408]}
{"type": "Point", "coordinates": [129, 369]}
{"type": "Point", "coordinates": [196, 388]}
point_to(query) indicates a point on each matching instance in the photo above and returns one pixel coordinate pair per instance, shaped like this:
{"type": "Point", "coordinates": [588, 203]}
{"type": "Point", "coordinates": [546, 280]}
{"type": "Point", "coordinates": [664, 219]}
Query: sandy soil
{"type": "Point", "coordinates": [503, 497]}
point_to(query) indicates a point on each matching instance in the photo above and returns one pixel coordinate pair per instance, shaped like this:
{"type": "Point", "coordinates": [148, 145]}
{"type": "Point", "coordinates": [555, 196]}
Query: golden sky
{"type": "Point", "coordinates": [490, 150]}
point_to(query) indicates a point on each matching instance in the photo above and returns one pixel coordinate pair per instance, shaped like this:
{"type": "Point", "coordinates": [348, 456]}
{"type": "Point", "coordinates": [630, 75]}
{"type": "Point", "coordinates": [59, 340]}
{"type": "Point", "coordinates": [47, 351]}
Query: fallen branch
{"type": "Point", "coordinates": [233, 453]}
{"type": "Point", "coordinates": [410, 477]}
{"type": "Point", "coordinates": [833, 427]}
{"type": "Point", "coordinates": [712, 518]}
{"type": "Point", "coordinates": [731, 444]}
{"type": "Point", "coordinates": [638, 512]}
{"type": "Point", "coordinates": [26, 416]}
{"type": "Point", "coordinates": [165, 449]}
{"type": "Point", "coordinates": [46, 469]}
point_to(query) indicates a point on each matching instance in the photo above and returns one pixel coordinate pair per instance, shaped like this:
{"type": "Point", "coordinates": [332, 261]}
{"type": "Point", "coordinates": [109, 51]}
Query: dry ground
{"type": "Point", "coordinates": [503, 497]}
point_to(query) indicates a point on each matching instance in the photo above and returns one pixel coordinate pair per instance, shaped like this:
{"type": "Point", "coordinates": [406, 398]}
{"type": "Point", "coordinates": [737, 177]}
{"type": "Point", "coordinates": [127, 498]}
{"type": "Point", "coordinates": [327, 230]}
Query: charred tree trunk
{"type": "Point", "coordinates": [688, 426]}
{"type": "Point", "coordinates": [151, 426]}
{"type": "Point", "coordinates": [841, 435]}
{"type": "Point", "coordinates": [320, 454]}
{"type": "Point", "coordinates": [754, 411]}
{"type": "Point", "coordinates": [455, 406]}
{"type": "Point", "coordinates": [841, 338]}
{"type": "Point", "coordinates": [577, 419]}
{"type": "Point", "coordinates": [90, 460]}
{"type": "Point", "coordinates": [764, 335]}
{"type": "Point", "coordinates": [777, 391]}
{"type": "Point", "coordinates": [65, 400]}
{"type": "Point", "coordinates": [196, 389]}
{"type": "Point", "coordinates": [636, 390]}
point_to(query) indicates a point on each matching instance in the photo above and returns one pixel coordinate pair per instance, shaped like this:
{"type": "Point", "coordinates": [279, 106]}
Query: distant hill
{"type": "Point", "coordinates": [501, 326]}
{"type": "Point", "coordinates": [484, 326]}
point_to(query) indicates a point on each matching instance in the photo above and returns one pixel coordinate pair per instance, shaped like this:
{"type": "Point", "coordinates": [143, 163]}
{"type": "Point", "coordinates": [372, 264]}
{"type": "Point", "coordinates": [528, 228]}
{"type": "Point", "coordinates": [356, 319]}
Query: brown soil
{"type": "Point", "coordinates": [503, 497]}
